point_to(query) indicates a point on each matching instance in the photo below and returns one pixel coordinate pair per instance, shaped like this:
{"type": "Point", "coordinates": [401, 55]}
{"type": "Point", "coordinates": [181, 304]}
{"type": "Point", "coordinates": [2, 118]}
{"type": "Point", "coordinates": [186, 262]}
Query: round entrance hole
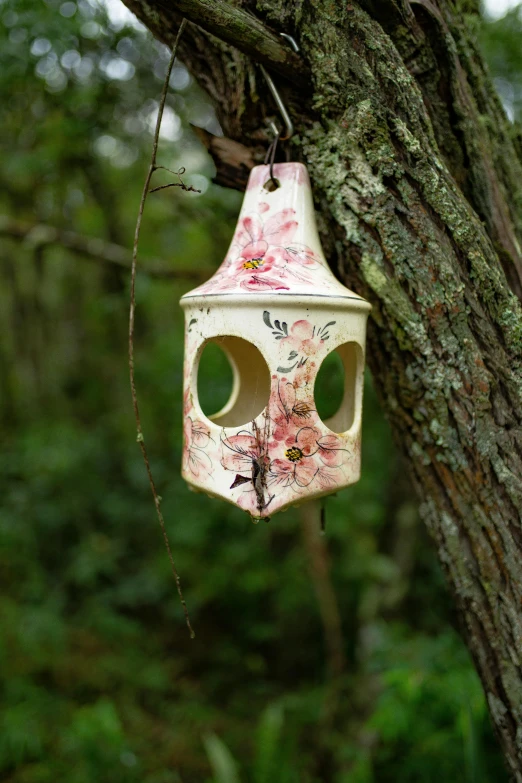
{"type": "Point", "coordinates": [237, 395]}
{"type": "Point", "coordinates": [338, 387]}
{"type": "Point", "coordinates": [329, 386]}
{"type": "Point", "coordinates": [215, 379]}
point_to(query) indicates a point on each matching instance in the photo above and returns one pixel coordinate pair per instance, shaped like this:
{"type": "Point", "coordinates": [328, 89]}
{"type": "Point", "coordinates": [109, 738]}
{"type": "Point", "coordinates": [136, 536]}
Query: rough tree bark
{"type": "Point", "coordinates": [418, 180]}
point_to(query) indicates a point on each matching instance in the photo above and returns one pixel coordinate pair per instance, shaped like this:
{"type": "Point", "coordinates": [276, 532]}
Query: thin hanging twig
{"type": "Point", "coordinates": [139, 436]}
{"type": "Point", "coordinates": [179, 184]}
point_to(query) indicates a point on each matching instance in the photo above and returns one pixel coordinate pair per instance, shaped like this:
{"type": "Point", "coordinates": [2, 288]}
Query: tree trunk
{"type": "Point", "coordinates": [418, 181]}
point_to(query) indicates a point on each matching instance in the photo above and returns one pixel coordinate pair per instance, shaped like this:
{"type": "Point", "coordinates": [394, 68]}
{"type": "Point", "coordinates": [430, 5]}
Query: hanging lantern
{"type": "Point", "coordinates": [277, 311]}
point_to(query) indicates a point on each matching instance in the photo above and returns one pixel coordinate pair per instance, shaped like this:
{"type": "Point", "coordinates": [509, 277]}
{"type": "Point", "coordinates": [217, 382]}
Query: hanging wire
{"type": "Point", "coordinates": [280, 134]}
{"type": "Point", "coordinates": [289, 125]}
{"type": "Point", "coordinates": [270, 158]}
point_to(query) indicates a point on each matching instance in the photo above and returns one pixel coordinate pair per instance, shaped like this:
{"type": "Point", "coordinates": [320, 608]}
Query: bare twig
{"type": "Point", "coordinates": [174, 185]}
{"type": "Point", "coordinates": [39, 235]}
{"type": "Point", "coordinates": [139, 431]}
{"type": "Point", "coordinates": [177, 173]}
{"type": "Point", "coordinates": [179, 184]}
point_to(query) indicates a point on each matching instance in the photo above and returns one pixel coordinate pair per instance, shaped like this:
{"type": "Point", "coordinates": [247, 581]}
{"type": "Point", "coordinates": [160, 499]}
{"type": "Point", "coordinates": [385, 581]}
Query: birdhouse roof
{"type": "Point", "coordinates": [275, 250]}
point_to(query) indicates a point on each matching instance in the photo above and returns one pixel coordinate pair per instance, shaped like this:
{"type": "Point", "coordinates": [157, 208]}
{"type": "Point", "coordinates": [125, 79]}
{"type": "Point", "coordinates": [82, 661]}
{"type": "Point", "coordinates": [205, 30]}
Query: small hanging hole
{"type": "Point", "coordinates": [271, 185]}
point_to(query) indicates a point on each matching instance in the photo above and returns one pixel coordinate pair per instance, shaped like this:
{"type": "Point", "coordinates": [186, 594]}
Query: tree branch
{"type": "Point", "coordinates": [319, 568]}
{"type": "Point", "coordinates": [236, 27]}
{"type": "Point", "coordinates": [40, 235]}
{"type": "Point", "coordinates": [233, 161]}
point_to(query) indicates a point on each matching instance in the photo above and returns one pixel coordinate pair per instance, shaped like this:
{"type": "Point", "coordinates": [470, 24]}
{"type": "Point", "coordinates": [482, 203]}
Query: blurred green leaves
{"type": "Point", "coordinates": [272, 763]}
{"type": "Point", "coordinates": [221, 760]}
{"type": "Point", "coordinates": [500, 41]}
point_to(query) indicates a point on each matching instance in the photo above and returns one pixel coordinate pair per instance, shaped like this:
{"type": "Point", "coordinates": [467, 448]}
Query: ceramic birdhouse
{"type": "Point", "coordinates": [277, 311]}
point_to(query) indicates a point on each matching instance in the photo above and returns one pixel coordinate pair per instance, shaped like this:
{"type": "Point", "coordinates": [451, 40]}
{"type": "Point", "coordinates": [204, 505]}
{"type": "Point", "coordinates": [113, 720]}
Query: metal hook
{"type": "Point", "coordinates": [292, 41]}
{"type": "Point", "coordinates": [270, 158]}
{"type": "Point", "coordinates": [289, 126]}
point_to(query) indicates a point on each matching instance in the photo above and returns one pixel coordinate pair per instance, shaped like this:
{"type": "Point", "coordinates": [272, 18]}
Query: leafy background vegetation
{"type": "Point", "coordinates": [99, 679]}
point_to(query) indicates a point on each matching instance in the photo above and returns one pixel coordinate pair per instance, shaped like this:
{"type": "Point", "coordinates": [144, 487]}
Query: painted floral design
{"type": "Point", "coordinates": [290, 408]}
{"type": "Point", "coordinates": [196, 440]}
{"type": "Point", "coordinates": [263, 256]}
{"type": "Point", "coordinates": [286, 452]}
{"type": "Point", "coordinates": [304, 457]}
{"type": "Point", "coordinates": [240, 452]}
{"type": "Point", "coordinates": [294, 452]}
{"type": "Point", "coordinates": [308, 457]}
{"type": "Point", "coordinates": [246, 455]}
{"type": "Point", "coordinates": [302, 341]}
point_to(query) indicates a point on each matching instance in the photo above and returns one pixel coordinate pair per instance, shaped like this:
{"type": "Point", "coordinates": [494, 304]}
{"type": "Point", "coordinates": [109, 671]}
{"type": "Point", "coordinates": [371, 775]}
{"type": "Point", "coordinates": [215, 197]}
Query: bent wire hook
{"type": "Point", "coordinates": [289, 126]}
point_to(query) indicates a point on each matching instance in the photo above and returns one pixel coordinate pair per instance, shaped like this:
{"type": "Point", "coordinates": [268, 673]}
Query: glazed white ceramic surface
{"type": "Point", "coordinates": [276, 309]}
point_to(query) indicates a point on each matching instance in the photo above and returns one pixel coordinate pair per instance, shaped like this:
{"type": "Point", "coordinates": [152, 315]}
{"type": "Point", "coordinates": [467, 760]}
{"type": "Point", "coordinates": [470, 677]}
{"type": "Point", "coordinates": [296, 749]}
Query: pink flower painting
{"type": "Point", "coordinates": [197, 438]}
{"type": "Point", "coordinates": [262, 256]}
{"type": "Point", "coordinates": [288, 409]}
{"type": "Point", "coordinates": [302, 341]}
{"type": "Point", "coordinates": [309, 457]}
{"type": "Point", "coordinates": [245, 455]}
{"type": "Point", "coordinates": [293, 452]}
{"type": "Point", "coordinates": [240, 452]}
{"type": "Point", "coordinates": [306, 457]}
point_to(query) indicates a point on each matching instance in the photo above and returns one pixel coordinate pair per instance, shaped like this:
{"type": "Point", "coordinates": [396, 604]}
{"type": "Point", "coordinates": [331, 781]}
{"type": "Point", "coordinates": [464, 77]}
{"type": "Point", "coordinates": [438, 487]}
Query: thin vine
{"type": "Point", "coordinates": [139, 431]}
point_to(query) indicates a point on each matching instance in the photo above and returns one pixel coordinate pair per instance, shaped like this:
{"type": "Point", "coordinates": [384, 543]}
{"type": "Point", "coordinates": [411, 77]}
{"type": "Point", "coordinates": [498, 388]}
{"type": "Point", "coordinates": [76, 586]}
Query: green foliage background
{"type": "Point", "coordinates": [99, 679]}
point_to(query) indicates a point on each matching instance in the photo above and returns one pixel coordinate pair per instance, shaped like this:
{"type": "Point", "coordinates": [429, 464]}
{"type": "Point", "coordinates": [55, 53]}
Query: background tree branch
{"type": "Point", "coordinates": [40, 235]}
